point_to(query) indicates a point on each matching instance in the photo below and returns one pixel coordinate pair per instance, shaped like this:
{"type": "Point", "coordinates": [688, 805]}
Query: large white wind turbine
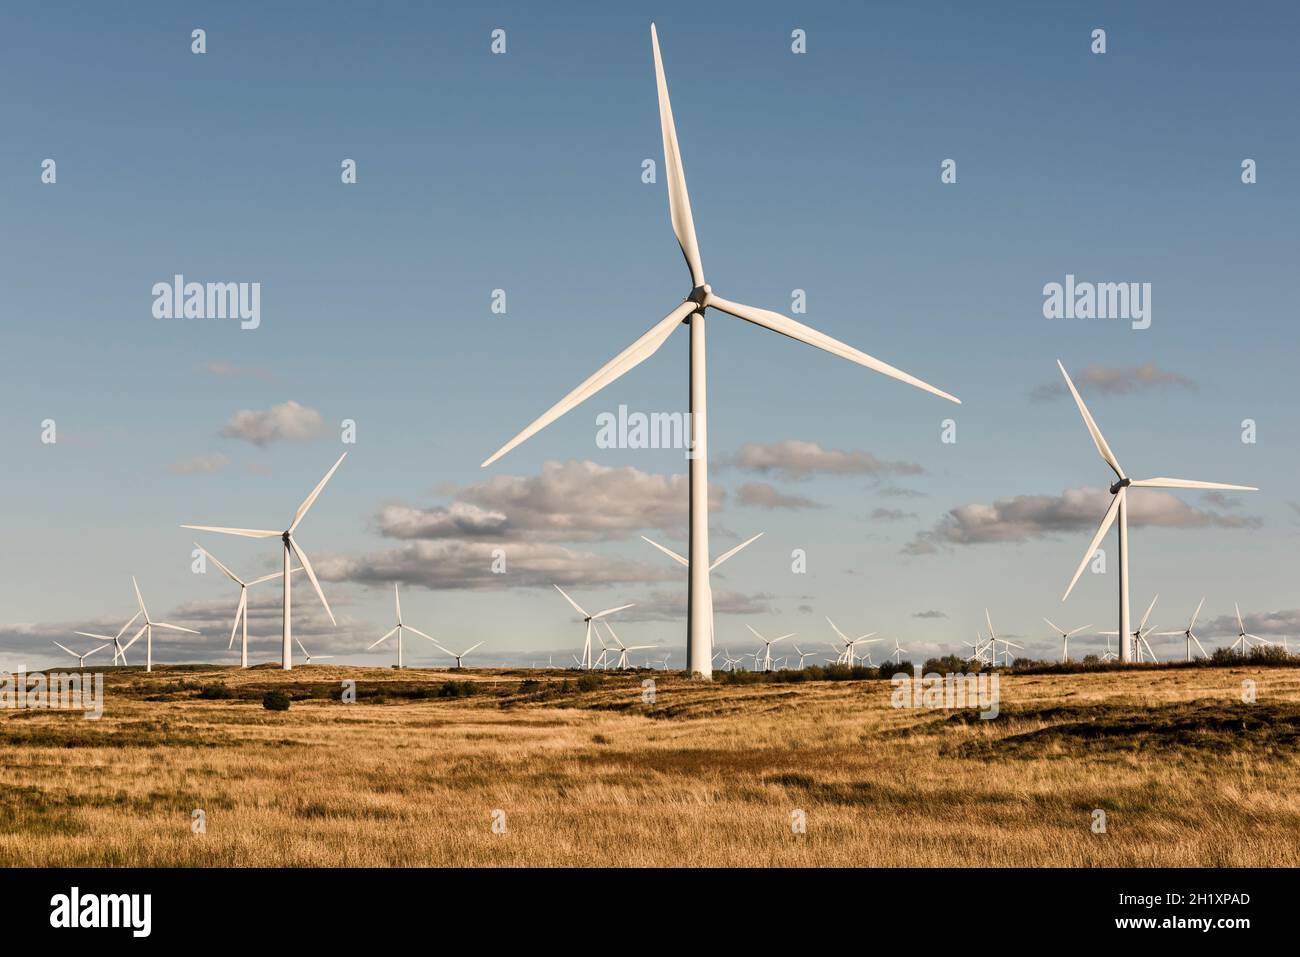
{"type": "Point", "coordinates": [147, 630]}
{"type": "Point", "coordinates": [81, 659]}
{"type": "Point", "coordinates": [241, 610]}
{"type": "Point", "coordinates": [291, 548]}
{"type": "Point", "coordinates": [1119, 510]}
{"type": "Point", "coordinates": [118, 651]}
{"type": "Point", "coordinates": [1188, 634]}
{"type": "Point", "coordinates": [699, 621]}
{"type": "Point", "coordinates": [587, 620]}
{"type": "Point", "coordinates": [1065, 637]}
{"type": "Point", "coordinates": [399, 628]}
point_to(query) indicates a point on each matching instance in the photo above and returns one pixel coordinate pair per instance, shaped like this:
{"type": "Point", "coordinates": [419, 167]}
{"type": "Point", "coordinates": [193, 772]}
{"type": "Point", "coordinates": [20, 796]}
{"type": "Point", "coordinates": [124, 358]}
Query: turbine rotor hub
{"type": "Point", "coordinates": [284, 537]}
{"type": "Point", "coordinates": [700, 294]}
{"type": "Point", "coordinates": [1122, 483]}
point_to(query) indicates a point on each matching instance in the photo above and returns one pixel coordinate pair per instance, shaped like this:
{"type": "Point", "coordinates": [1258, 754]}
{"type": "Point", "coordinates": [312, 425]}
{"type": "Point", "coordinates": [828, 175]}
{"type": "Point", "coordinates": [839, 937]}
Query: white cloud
{"type": "Point", "coordinates": [796, 459]}
{"type": "Point", "coordinates": [288, 422]}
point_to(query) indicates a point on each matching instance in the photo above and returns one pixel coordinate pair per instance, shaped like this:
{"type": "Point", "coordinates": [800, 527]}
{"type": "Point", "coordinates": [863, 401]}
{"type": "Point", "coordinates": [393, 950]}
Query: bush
{"type": "Point", "coordinates": [588, 681]}
{"type": "Point", "coordinates": [275, 701]}
{"type": "Point", "coordinates": [215, 693]}
{"type": "Point", "coordinates": [456, 689]}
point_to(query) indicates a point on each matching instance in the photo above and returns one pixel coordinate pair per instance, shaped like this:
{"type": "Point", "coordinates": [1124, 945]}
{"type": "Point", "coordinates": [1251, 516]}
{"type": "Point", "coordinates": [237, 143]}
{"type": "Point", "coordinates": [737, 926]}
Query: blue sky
{"type": "Point", "coordinates": [522, 171]}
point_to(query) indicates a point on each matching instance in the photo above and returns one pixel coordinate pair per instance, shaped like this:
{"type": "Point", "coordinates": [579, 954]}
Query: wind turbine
{"type": "Point", "coordinates": [802, 655]}
{"type": "Point", "coordinates": [699, 627]}
{"type": "Point", "coordinates": [766, 650]}
{"type": "Point", "coordinates": [1065, 637]}
{"type": "Point", "coordinates": [1188, 635]}
{"type": "Point", "coordinates": [147, 630]}
{"type": "Point", "coordinates": [729, 663]}
{"type": "Point", "coordinates": [898, 652]}
{"type": "Point", "coordinates": [81, 659]}
{"type": "Point", "coordinates": [1119, 510]}
{"type": "Point", "coordinates": [291, 548]}
{"type": "Point", "coordinates": [398, 629]}
{"type": "Point", "coordinates": [241, 611]}
{"type": "Point", "coordinates": [623, 660]}
{"type": "Point", "coordinates": [118, 650]}
{"type": "Point", "coordinates": [1109, 655]}
{"type": "Point", "coordinates": [309, 658]}
{"type": "Point", "coordinates": [994, 639]}
{"type": "Point", "coordinates": [1243, 637]}
{"type": "Point", "coordinates": [453, 654]}
{"type": "Point", "coordinates": [587, 620]}
{"type": "Point", "coordinates": [1140, 636]}
{"type": "Point", "coordinates": [847, 653]}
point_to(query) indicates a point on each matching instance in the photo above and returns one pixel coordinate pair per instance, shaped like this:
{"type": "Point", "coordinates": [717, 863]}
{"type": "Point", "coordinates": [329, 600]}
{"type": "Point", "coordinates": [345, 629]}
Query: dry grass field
{"type": "Point", "coordinates": [1187, 774]}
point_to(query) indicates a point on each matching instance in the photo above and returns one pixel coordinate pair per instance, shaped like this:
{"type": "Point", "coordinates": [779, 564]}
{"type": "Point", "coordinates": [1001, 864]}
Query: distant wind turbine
{"type": "Point", "coordinates": [1119, 510]}
{"type": "Point", "coordinates": [241, 610]}
{"type": "Point", "coordinates": [399, 628]}
{"type": "Point", "coordinates": [147, 629]}
{"type": "Point", "coordinates": [1065, 637]}
{"type": "Point", "coordinates": [309, 658]}
{"type": "Point", "coordinates": [81, 659]}
{"type": "Point", "coordinates": [587, 620]}
{"type": "Point", "coordinates": [291, 548]}
{"type": "Point", "coordinates": [1189, 636]}
{"type": "Point", "coordinates": [118, 651]}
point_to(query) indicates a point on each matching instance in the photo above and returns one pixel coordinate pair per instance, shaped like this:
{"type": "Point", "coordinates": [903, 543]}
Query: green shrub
{"type": "Point", "coordinates": [588, 681]}
{"type": "Point", "coordinates": [215, 693]}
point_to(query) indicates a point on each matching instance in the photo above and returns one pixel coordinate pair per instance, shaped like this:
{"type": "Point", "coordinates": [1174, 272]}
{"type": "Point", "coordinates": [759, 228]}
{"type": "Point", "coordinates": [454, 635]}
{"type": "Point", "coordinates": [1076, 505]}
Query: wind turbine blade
{"type": "Point", "coordinates": [386, 637]}
{"type": "Point", "coordinates": [1189, 483]}
{"type": "Point", "coordinates": [267, 578]}
{"type": "Point", "coordinates": [1071, 634]}
{"type": "Point", "coordinates": [725, 555]}
{"type": "Point", "coordinates": [91, 634]}
{"type": "Point", "coordinates": [306, 565]}
{"type": "Point", "coordinates": [92, 651]}
{"type": "Point", "coordinates": [69, 650]}
{"type": "Point", "coordinates": [576, 606]}
{"type": "Point", "coordinates": [123, 629]}
{"type": "Point", "coordinates": [610, 611]}
{"type": "Point", "coordinates": [163, 624]}
{"type": "Point", "coordinates": [468, 650]}
{"type": "Point", "coordinates": [428, 638]}
{"type": "Point", "coordinates": [783, 637]}
{"type": "Point", "coordinates": [1199, 645]}
{"type": "Point", "coordinates": [989, 619]}
{"type": "Point", "coordinates": [679, 203]}
{"type": "Point", "coordinates": [1196, 614]}
{"type": "Point", "coordinates": [216, 561]}
{"type": "Point", "coordinates": [755, 631]}
{"type": "Point", "coordinates": [300, 647]}
{"type": "Point", "coordinates": [1106, 522]}
{"type": "Point", "coordinates": [138, 598]}
{"type": "Point", "coordinates": [1098, 439]}
{"type": "Point", "coordinates": [626, 360]}
{"type": "Point", "coordinates": [239, 610]}
{"type": "Point", "coordinates": [1148, 612]}
{"type": "Point", "coordinates": [398, 599]}
{"type": "Point", "coordinates": [134, 639]}
{"type": "Point", "coordinates": [1055, 628]}
{"type": "Point", "coordinates": [1240, 625]}
{"type": "Point", "coordinates": [797, 330]}
{"type": "Point", "coordinates": [246, 532]}
{"type": "Point", "coordinates": [835, 627]}
{"type": "Point", "coordinates": [668, 551]}
{"type": "Point", "coordinates": [310, 500]}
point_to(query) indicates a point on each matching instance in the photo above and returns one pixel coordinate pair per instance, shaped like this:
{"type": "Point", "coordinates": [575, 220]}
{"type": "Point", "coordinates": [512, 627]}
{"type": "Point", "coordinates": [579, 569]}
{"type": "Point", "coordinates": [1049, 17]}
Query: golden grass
{"type": "Point", "coordinates": [709, 775]}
